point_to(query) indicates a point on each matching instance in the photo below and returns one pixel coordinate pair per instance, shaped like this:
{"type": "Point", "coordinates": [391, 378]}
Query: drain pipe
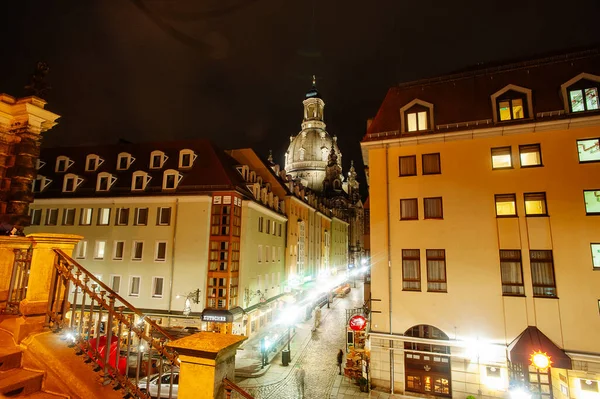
{"type": "Point", "coordinates": [172, 271]}
{"type": "Point", "coordinates": [389, 256]}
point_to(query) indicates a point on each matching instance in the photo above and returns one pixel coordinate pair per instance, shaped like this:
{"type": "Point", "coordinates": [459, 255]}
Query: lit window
{"type": "Point", "coordinates": [124, 161]}
{"type": "Point", "coordinates": [36, 217]}
{"type": "Point", "coordinates": [595, 256]}
{"type": "Point", "coordinates": [157, 287]}
{"type": "Point", "coordinates": [171, 179]}
{"type": "Point", "coordinates": [511, 272]}
{"type": "Point", "coordinates": [63, 163]}
{"type": "Point", "coordinates": [535, 204]}
{"type": "Point", "coordinates": [187, 158]}
{"type": "Point", "coordinates": [501, 158]}
{"type": "Point", "coordinates": [103, 216]}
{"type": "Point", "coordinates": [85, 217]}
{"type": "Point", "coordinates": [433, 208]}
{"type": "Point", "coordinates": [589, 150]}
{"type": "Point", "coordinates": [592, 202]}
{"type": "Point", "coordinates": [68, 217]}
{"type": "Point", "coordinates": [157, 159]}
{"type": "Point", "coordinates": [530, 155]}
{"type": "Point", "coordinates": [163, 217]}
{"type": "Point", "coordinates": [141, 216]}
{"type": "Point", "coordinates": [118, 250]}
{"type": "Point", "coordinates": [409, 209]}
{"type": "Point", "coordinates": [122, 218]}
{"type": "Point", "coordinates": [40, 183]}
{"type": "Point", "coordinates": [589, 388]}
{"type": "Point", "coordinates": [542, 273]}
{"type": "Point", "coordinates": [92, 162]}
{"type": "Point", "coordinates": [137, 250]}
{"type": "Point", "coordinates": [416, 121]}
{"type": "Point", "coordinates": [71, 182]}
{"type": "Point", "coordinates": [436, 270]}
{"type": "Point", "coordinates": [431, 164]}
{"type": "Point", "coordinates": [115, 283]}
{"type": "Point", "coordinates": [511, 109]}
{"type": "Point", "coordinates": [408, 165]}
{"type": "Point", "coordinates": [411, 270]}
{"type": "Point", "coordinates": [161, 251]}
{"type": "Point", "coordinates": [505, 205]}
{"type": "Point", "coordinates": [584, 99]}
{"type": "Point", "coordinates": [51, 217]}
{"type": "Point", "coordinates": [81, 249]}
{"type": "Point", "coordinates": [134, 286]}
{"type": "Point", "coordinates": [99, 250]}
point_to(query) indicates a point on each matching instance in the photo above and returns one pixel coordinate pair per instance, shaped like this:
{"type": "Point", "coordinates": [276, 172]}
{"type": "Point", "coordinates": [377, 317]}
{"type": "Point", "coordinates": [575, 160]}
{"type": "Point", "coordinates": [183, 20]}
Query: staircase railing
{"type": "Point", "coordinates": [107, 330]}
{"type": "Point", "coordinates": [19, 279]}
{"type": "Point", "coordinates": [231, 387]}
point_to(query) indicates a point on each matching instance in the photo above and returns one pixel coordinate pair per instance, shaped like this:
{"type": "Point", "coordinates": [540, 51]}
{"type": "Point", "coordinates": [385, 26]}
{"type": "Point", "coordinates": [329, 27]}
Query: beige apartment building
{"type": "Point", "coordinates": [485, 232]}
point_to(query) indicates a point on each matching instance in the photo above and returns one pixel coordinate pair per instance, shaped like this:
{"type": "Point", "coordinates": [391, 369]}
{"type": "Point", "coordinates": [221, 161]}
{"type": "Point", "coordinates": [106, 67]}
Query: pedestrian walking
{"type": "Point", "coordinates": [300, 380]}
{"type": "Point", "coordinates": [340, 358]}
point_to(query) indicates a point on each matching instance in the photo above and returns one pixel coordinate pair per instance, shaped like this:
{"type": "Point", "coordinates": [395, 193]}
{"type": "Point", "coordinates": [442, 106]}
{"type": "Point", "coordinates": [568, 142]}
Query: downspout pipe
{"type": "Point", "coordinates": [174, 239]}
{"type": "Point", "coordinates": [389, 256]}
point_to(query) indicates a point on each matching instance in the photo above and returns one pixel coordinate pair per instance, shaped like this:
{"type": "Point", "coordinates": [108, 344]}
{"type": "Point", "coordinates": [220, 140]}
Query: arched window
{"type": "Point", "coordinates": [171, 179]}
{"type": "Point", "coordinates": [105, 181]}
{"type": "Point", "coordinates": [140, 180]}
{"type": "Point", "coordinates": [63, 163]}
{"type": "Point", "coordinates": [187, 158]}
{"type": "Point", "coordinates": [124, 161]}
{"type": "Point", "coordinates": [92, 162]}
{"type": "Point", "coordinates": [71, 182]}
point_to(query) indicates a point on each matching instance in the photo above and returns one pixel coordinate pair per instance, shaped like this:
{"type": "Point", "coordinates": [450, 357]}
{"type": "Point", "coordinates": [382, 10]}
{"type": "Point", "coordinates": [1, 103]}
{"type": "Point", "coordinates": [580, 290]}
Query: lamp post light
{"type": "Point", "coordinates": [190, 297]}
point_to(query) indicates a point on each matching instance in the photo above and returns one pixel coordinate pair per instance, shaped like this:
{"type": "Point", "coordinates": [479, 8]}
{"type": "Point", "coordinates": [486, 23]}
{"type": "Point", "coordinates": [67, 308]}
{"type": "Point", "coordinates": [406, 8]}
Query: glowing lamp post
{"type": "Point", "coordinates": [540, 360]}
{"type": "Point", "coordinates": [288, 319]}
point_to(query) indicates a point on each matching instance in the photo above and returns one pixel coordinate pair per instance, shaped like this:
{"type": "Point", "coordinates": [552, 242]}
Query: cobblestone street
{"type": "Point", "coordinates": [318, 358]}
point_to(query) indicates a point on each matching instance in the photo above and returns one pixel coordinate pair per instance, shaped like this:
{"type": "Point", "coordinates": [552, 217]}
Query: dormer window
{"type": "Point", "coordinates": [171, 179]}
{"type": "Point", "coordinates": [39, 164]}
{"type": "Point", "coordinates": [512, 103]}
{"type": "Point", "coordinates": [157, 159]}
{"type": "Point", "coordinates": [580, 94]}
{"type": "Point", "coordinates": [71, 182]}
{"type": "Point", "coordinates": [187, 158]}
{"type": "Point", "coordinates": [105, 181]}
{"type": "Point", "coordinates": [124, 161]}
{"type": "Point", "coordinates": [40, 183]}
{"type": "Point", "coordinates": [416, 116]}
{"type": "Point", "coordinates": [140, 180]}
{"type": "Point", "coordinates": [63, 163]}
{"type": "Point", "coordinates": [584, 99]}
{"type": "Point", "coordinates": [92, 162]}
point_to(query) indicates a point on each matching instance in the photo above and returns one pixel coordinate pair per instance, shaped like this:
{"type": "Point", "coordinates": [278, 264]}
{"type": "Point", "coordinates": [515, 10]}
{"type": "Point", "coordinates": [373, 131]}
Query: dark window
{"type": "Point", "coordinates": [164, 216]}
{"type": "Point", "coordinates": [411, 270]}
{"type": "Point", "coordinates": [62, 165]}
{"type": "Point", "coordinates": [69, 184]}
{"type": "Point", "coordinates": [170, 182]}
{"type": "Point", "coordinates": [501, 158]}
{"type": "Point", "coordinates": [511, 270]}
{"type": "Point", "coordinates": [36, 217]}
{"type": "Point", "coordinates": [431, 164]}
{"type": "Point", "coordinates": [91, 166]}
{"type": "Point", "coordinates": [186, 160]}
{"type": "Point", "coordinates": [433, 208]}
{"type": "Point", "coordinates": [122, 217]}
{"type": "Point", "coordinates": [436, 270]}
{"type": "Point", "coordinates": [408, 165]}
{"type": "Point", "coordinates": [119, 245]}
{"type": "Point", "coordinates": [123, 163]}
{"type": "Point", "coordinates": [141, 217]}
{"type": "Point", "coordinates": [69, 217]}
{"type": "Point", "coordinates": [506, 205]}
{"type": "Point", "coordinates": [542, 273]}
{"type": "Point", "coordinates": [535, 204]}
{"type": "Point", "coordinates": [138, 250]}
{"type": "Point", "coordinates": [409, 209]}
{"type": "Point", "coordinates": [139, 182]}
{"type": "Point", "coordinates": [530, 155]}
{"type": "Point", "coordinates": [156, 161]}
{"type": "Point", "coordinates": [51, 217]}
{"type": "Point", "coordinates": [103, 184]}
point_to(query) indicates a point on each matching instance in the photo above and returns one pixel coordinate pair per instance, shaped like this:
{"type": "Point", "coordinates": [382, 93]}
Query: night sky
{"type": "Point", "coordinates": [236, 71]}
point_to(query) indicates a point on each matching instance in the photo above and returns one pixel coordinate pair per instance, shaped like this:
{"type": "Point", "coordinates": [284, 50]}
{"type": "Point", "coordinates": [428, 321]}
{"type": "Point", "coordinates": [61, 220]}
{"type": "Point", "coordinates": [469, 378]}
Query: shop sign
{"type": "Point", "coordinates": [214, 318]}
{"type": "Point", "coordinates": [357, 323]}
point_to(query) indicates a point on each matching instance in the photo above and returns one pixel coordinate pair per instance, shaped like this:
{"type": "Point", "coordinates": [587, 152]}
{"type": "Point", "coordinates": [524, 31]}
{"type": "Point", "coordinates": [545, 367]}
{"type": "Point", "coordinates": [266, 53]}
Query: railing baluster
{"type": "Point", "coordinates": [108, 332]}
{"type": "Point", "coordinates": [128, 346]}
{"type": "Point", "coordinates": [52, 293]}
{"type": "Point", "coordinates": [82, 313]}
{"type": "Point", "coordinates": [65, 300]}
{"type": "Point", "coordinates": [160, 373]}
{"type": "Point", "coordinates": [90, 322]}
{"type": "Point", "coordinates": [119, 332]}
{"type": "Point", "coordinates": [26, 265]}
{"type": "Point", "coordinates": [19, 263]}
{"type": "Point", "coordinates": [149, 367]}
{"type": "Point", "coordinates": [100, 302]}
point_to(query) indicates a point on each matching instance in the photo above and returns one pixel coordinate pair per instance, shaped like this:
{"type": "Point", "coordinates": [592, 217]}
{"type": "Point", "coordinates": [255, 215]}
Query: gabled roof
{"type": "Point", "coordinates": [213, 170]}
{"type": "Point", "coordinates": [465, 96]}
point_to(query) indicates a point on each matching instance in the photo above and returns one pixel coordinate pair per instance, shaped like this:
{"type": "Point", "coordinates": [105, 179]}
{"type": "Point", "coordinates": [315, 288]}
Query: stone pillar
{"type": "Point", "coordinates": [206, 358]}
{"type": "Point", "coordinates": [22, 121]}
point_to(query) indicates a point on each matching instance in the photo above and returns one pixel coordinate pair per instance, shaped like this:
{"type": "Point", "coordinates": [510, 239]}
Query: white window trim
{"type": "Point", "coordinates": [169, 172]}
{"type": "Point", "coordinates": [78, 246]}
{"type": "Point", "coordinates": [110, 281]}
{"type": "Point", "coordinates": [156, 251]}
{"type": "Point", "coordinates": [571, 82]}
{"type": "Point", "coordinates": [41, 182]}
{"type": "Point", "coordinates": [114, 251]}
{"type": "Point", "coordinates": [100, 217]}
{"type": "Point", "coordinates": [494, 98]}
{"type": "Point", "coordinates": [76, 183]}
{"type": "Point", "coordinates": [193, 157]}
{"type": "Point", "coordinates": [82, 212]}
{"type": "Point", "coordinates": [137, 216]}
{"type": "Point", "coordinates": [47, 219]}
{"type": "Point", "coordinates": [39, 164]}
{"type": "Point", "coordinates": [408, 106]}
{"type": "Point", "coordinates": [64, 218]}
{"type": "Point", "coordinates": [146, 176]}
{"type": "Point", "coordinates": [154, 278]}
{"type": "Point", "coordinates": [129, 293]}
{"type": "Point", "coordinates": [133, 251]}
{"type": "Point", "coordinates": [163, 159]}
{"type": "Point", "coordinates": [68, 163]}
{"type": "Point", "coordinates": [99, 161]}
{"type": "Point", "coordinates": [96, 257]}
{"type": "Point", "coordinates": [130, 160]}
{"type": "Point", "coordinates": [111, 180]}
{"type": "Point", "coordinates": [160, 210]}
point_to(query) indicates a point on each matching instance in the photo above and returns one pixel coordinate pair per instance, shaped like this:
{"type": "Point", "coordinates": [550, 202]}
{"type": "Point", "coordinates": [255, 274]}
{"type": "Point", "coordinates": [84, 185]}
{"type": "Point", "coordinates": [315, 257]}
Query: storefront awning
{"type": "Point", "coordinates": [532, 340]}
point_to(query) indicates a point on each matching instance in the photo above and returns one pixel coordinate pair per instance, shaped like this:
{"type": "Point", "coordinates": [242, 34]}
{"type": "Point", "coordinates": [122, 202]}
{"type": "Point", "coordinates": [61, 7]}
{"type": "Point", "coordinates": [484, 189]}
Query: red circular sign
{"type": "Point", "coordinates": [357, 323]}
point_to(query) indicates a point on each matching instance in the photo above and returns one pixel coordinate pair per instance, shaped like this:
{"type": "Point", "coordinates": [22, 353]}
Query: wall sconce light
{"type": "Point", "coordinates": [190, 297]}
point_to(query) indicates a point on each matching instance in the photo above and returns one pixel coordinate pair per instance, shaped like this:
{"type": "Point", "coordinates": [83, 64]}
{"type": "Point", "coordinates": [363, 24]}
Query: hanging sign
{"type": "Point", "coordinates": [357, 323]}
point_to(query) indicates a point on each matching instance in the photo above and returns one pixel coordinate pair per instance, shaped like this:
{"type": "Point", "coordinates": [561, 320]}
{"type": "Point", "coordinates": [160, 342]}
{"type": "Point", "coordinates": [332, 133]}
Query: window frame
{"type": "Point", "coordinates": [36, 216]}
{"type": "Point", "coordinates": [588, 213]}
{"type": "Point", "coordinates": [140, 174]}
{"type": "Point", "coordinates": [511, 92]}
{"type": "Point", "coordinates": [411, 280]}
{"type": "Point", "coordinates": [594, 266]}
{"type": "Point", "coordinates": [136, 219]}
{"type": "Point", "coordinates": [96, 248]}
{"type": "Point", "coordinates": [100, 214]}
{"type": "Point", "coordinates": [539, 152]}
{"type": "Point", "coordinates": [51, 213]}
{"type": "Point", "coordinates": [193, 157]}
{"type": "Point", "coordinates": [133, 251]}
{"type": "Point", "coordinates": [114, 251]}
{"type": "Point", "coordinates": [110, 181]}
{"type": "Point", "coordinates": [413, 200]}
{"type": "Point", "coordinates": [156, 251]}
{"type": "Point", "coordinates": [40, 183]}
{"type": "Point", "coordinates": [78, 249]}
{"type": "Point", "coordinates": [545, 204]}
{"type": "Point", "coordinates": [425, 216]}
{"type": "Point", "coordinates": [507, 195]}
{"type": "Point", "coordinates": [584, 98]}
{"type": "Point", "coordinates": [597, 139]}
{"type": "Point", "coordinates": [111, 280]}
{"type": "Point", "coordinates": [130, 287]}
{"type": "Point", "coordinates": [162, 288]}
{"type": "Point", "coordinates": [124, 155]}
{"type": "Point", "coordinates": [429, 280]}
{"type": "Point", "coordinates": [67, 163]}
{"type": "Point", "coordinates": [163, 159]}
{"type": "Point", "coordinates": [95, 157]}
{"type": "Point", "coordinates": [511, 106]}
{"type": "Point", "coordinates": [77, 180]}
{"type": "Point", "coordinates": [439, 164]}
{"type": "Point", "coordinates": [414, 159]}
{"type": "Point", "coordinates": [159, 215]}
{"type": "Point", "coordinates": [177, 179]}
{"type": "Point", "coordinates": [119, 217]}
{"type": "Point", "coordinates": [498, 149]}
{"type": "Point", "coordinates": [543, 286]}
{"type": "Point", "coordinates": [65, 213]}
{"type": "Point", "coordinates": [504, 284]}
{"type": "Point", "coordinates": [82, 216]}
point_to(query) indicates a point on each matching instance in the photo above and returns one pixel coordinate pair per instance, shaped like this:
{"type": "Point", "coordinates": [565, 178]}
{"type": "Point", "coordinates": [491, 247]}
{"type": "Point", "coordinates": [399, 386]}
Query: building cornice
{"type": "Point", "coordinates": [264, 209]}
{"type": "Point", "coordinates": [124, 200]}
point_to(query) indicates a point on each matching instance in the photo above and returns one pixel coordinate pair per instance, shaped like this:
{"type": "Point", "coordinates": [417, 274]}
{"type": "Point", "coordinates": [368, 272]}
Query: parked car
{"type": "Point", "coordinates": [165, 382]}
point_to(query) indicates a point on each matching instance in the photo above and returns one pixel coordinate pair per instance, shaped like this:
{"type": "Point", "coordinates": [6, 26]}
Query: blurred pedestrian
{"type": "Point", "coordinates": [300, 380]}
{"type": "Point", "coordinates": [340, 358]}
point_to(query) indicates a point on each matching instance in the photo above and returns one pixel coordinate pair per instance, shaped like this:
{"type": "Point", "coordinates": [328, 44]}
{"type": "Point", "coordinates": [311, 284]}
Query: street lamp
{"type": "Point", "coordinates": [289, 319]}
{"type": "Point", "coordinates": [190, 297]}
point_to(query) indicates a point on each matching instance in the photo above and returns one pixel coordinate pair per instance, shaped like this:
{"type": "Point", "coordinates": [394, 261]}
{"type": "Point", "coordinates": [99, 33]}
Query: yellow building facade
{"type": "Point", "coordinates": [483, 198]}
